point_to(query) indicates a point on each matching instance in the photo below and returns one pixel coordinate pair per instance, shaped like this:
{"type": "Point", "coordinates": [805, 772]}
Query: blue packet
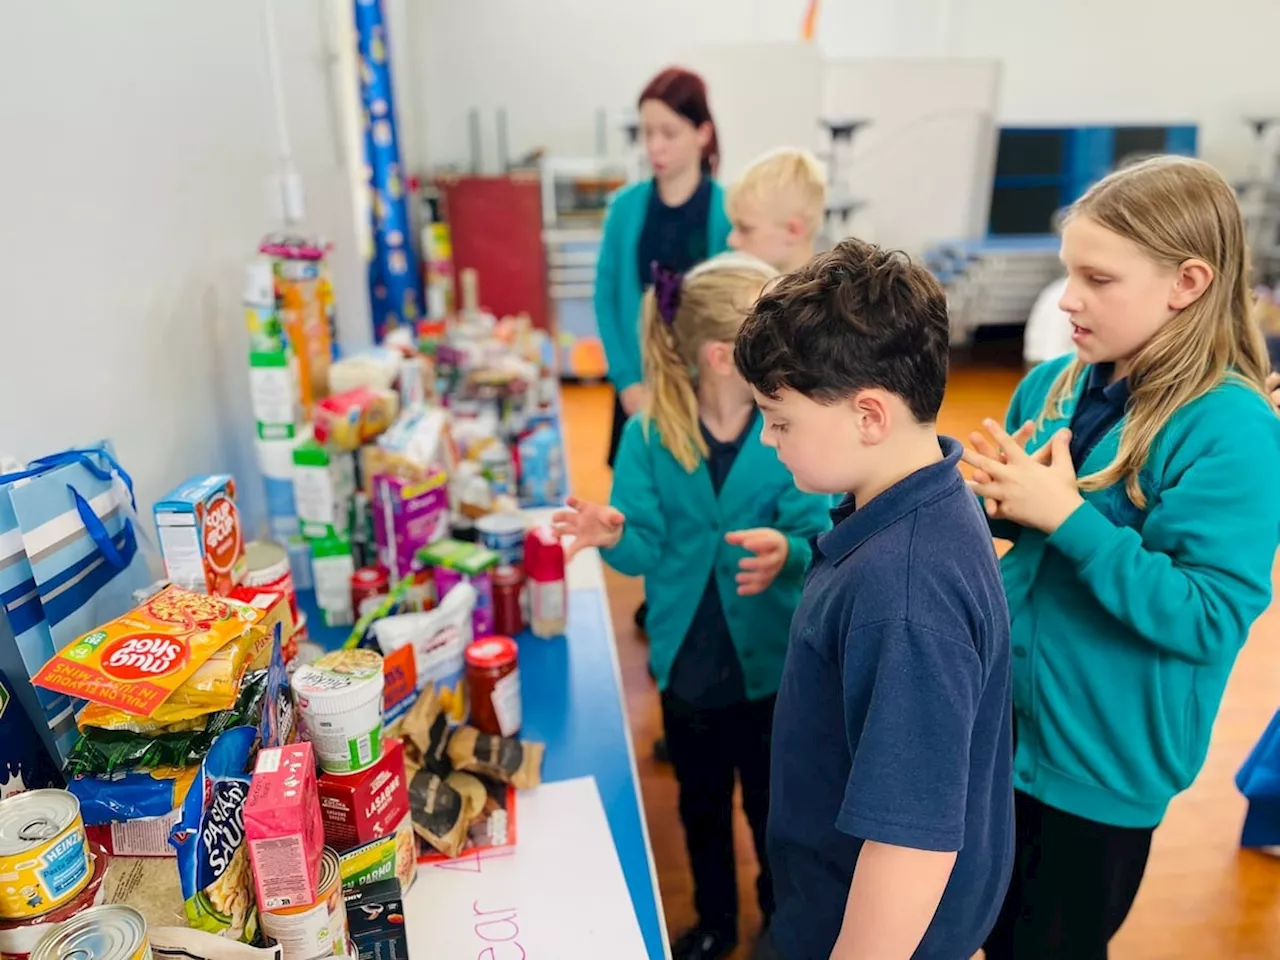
{"type": "Point", "coordinates": [278, 725]}
{"type": "Point", "coordinates": [213, 858]}
{"type": "Point", "coordinates": [130, 795]}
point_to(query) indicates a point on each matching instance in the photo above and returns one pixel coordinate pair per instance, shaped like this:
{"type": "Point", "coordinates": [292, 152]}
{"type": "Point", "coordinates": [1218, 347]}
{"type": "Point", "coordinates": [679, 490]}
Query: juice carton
{"type": "Point", "coordinates": [283, 828]}
{"type": "Point", "coordinates": [408, 516]}
{"type": "Point", "coordinates": [200, 535]}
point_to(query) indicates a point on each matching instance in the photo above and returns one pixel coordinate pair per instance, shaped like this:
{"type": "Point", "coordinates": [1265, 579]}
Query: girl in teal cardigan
{"type": "Point", "coordinates": [1137, 482]}
{"type": "Point", "coordinates": [676, 219]}
{"type": "Point", "coordinates": [714, 523]}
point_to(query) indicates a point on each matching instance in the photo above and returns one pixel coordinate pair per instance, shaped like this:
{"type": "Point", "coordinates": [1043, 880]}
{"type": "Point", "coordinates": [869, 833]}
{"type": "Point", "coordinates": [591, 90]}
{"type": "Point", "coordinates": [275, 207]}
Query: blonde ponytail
{"type": "Point", "coordinates": [1176, 209]}
{"type": "Point", "coordinates": [713, 302]}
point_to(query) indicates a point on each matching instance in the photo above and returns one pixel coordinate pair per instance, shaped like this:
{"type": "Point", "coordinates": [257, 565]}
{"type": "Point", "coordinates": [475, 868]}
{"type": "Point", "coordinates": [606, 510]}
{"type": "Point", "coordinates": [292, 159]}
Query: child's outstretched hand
{"type": "Point", "coordinates": [590, 525]}
{"type": "Point", "coordinates": [756, 573]}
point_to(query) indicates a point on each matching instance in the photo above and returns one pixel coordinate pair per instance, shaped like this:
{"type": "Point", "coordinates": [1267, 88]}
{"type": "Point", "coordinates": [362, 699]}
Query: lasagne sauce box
{"type": "Point", "coordinates": [360, 807]}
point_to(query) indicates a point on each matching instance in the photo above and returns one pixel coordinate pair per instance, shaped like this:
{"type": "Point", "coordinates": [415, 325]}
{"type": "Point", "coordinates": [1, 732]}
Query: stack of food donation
{"type": "Point", "coordinates": [244, 788]}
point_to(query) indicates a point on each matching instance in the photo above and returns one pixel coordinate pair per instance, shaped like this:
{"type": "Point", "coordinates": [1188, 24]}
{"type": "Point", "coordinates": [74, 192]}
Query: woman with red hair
{"type": "Point", "coordinates": [676, 220]}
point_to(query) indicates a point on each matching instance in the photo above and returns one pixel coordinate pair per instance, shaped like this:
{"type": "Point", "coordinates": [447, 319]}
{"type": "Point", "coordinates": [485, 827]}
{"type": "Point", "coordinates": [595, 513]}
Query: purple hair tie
{"type": "Point", "coordinates": [666, 291]}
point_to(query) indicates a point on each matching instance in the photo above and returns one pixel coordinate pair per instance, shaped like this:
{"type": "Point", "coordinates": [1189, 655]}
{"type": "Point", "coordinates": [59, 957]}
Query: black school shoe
{"type": "Point", "coordinates": [703, 943]}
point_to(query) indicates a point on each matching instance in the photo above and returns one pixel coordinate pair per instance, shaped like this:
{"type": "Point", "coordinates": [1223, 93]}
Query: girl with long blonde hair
{"type": "Point", "coordinates": [712, 520]}
{"type": "Point", "coordinates": [1136, 481]}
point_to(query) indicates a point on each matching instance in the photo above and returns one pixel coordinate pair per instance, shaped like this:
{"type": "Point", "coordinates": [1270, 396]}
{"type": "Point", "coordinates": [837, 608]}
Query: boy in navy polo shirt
{"type": "Point", "coordinates": [890, 832]}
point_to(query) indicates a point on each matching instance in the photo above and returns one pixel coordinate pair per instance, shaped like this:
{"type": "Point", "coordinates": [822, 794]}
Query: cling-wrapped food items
{"type": "Point", "coordinates": [443, 809]}
{"type": "Point", "coordinates": [516, 762]}
{"type": "Point", "coordinates": [213, 861]}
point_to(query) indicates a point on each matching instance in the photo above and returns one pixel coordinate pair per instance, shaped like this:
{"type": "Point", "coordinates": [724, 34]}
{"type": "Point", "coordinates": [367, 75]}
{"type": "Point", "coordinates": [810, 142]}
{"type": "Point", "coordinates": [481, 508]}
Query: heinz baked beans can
{"type": "Point", "coordinates": [314, 930]}
{"type": "Point", "coordinates": [44, 854]}
{"type": "Point", "coordinates": [110, 932]}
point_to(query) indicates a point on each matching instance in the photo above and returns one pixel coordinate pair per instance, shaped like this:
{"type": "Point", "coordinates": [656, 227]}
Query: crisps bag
{"type": "Point", "coordinates": [137, 662]}
{"type": "Point", "coordinates": [213, 860]}
{"type": "Point", "coordinates": [71, 555]}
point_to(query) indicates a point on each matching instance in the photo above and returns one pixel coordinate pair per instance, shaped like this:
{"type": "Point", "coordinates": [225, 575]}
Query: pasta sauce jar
{"type": "Point", "coordinates": [493, 677]}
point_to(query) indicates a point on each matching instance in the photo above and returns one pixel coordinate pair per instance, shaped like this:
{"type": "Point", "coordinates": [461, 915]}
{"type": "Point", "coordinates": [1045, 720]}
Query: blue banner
{"type": "Point", "coordinates": [395, 283]}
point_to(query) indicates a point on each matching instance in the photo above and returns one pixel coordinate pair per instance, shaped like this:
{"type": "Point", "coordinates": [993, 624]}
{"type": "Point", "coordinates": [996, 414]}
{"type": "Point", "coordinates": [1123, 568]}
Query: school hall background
{"type": "Point", "coordinates": [1203, 897]}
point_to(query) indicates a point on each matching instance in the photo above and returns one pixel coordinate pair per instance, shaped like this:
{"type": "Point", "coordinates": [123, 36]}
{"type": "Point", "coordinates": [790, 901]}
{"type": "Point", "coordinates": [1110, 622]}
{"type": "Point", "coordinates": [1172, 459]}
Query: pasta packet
{"type": "Point", "coordinates": [137, 662]}
{"type": "Point", "coordinates": [213, 860]}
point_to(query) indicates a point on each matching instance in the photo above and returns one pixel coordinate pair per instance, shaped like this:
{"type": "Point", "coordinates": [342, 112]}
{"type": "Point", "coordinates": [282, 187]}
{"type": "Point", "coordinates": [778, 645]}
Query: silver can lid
{"type": "Point", "coordinates": [108, 932]}
{"type": "Point", "coordinates": [30, 819]}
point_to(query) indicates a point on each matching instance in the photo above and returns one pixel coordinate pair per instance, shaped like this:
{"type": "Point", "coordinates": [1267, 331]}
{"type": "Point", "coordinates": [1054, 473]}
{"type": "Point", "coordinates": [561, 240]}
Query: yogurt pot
{"type": "Point", "coordinates": [503, 533]}
{"type": "Point", "coordinates": [340, 700]}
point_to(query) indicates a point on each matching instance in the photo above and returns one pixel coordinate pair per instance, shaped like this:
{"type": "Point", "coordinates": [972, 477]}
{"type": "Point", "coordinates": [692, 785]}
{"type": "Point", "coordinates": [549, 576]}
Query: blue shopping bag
{"type": "Point", "coordinates": [1259, 781]}
{"type": "Point", "coordinates": [69, 561]}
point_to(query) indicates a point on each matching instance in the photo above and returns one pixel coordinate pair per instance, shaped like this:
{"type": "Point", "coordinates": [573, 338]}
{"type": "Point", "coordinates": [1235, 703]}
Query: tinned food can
{"type": "Point", "coordinates": [109, 932]}
{"type": "Point", "coordinates": [44, 854]}
{"type": "Point", "coordinates": [313, 930]}
{"type": "Point", "coordinates": [19, 937]}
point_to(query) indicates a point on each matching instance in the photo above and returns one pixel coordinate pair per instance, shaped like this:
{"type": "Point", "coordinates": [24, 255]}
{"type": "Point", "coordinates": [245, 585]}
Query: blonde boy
{"type": "Point", "coordinates": [776, 208]}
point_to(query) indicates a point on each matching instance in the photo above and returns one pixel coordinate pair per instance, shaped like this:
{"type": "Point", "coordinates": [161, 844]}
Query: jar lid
{"type": "Point", "coordinates": [370, 577]}
{"type": "Point", "coordinates": [340, 681]}
{"type": "Point", "coordinates": [491, 653]}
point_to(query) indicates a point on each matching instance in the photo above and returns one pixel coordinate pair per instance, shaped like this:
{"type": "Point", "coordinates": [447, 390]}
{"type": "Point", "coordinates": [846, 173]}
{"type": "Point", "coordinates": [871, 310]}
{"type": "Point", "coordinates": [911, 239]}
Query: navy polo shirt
{"type": "Point", "coordinates": [893, 720]}
{"type": "Point", "coordinates": [1100, 408]}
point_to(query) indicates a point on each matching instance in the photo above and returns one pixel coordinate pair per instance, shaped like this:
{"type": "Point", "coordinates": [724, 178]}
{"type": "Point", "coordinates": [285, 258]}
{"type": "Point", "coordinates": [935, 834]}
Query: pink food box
{"type": "Point", "coordinates": [407, 516]}
{"type": "Point", "coordinates": [283, 828]}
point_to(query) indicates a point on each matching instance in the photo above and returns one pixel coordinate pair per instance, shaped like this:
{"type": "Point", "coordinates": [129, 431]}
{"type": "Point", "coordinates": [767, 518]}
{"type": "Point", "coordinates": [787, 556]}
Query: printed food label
{"type": "Point", "coordinates": [222, 546]}
{"type": "Point", "coordinates": [136, 662]}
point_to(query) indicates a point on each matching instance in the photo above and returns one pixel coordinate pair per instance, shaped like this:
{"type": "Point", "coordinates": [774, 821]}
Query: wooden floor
{"type": "Point", "coordinates": [1203, 897]}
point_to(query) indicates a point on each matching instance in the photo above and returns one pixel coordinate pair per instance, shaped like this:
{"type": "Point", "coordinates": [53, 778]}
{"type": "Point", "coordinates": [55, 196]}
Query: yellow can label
{"type": "Point", "coordinates": [45, 877]}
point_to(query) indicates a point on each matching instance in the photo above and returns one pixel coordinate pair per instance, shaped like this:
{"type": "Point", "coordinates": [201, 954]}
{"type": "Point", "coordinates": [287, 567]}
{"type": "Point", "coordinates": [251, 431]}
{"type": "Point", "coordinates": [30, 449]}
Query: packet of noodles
{"type": "Point", "coordinates": [136, 662]}
{"type": "Point", "coordinates": [213, 688]}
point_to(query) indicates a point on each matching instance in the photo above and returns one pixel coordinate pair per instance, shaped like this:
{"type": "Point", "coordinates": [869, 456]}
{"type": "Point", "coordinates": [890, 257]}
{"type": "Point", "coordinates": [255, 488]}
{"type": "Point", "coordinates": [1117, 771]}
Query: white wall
{"type": "Point", "coordinates": [138, 144]}
{"type": "Point", "coordinates": [553, 63]}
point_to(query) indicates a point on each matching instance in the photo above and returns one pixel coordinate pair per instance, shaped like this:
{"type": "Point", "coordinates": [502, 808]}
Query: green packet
{"type": "Point", "coordinates": [103, 752]}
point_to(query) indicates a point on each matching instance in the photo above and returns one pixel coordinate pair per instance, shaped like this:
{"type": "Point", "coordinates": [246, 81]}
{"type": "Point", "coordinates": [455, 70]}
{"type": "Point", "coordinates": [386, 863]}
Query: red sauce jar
{"type": "Point", "coordinates": [493, 678]}
{"type": "Point", "coordinates": [368, 582]}
{"type": "Point", "coordinates": [508, 611]}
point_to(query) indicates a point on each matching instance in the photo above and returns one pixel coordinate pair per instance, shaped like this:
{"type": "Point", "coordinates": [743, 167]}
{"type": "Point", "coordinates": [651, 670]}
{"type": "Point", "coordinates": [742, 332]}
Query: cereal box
{"type": "Point", "coordinates": [407, 517]}
{"type": "Point", "coordinates": [283, 829]}
{"type": "Point", "coordinates": [361, 807]}
{"type": "Point", "coordinates": [200, 535]}
{"type": "Point", "coordinates": [137, 662]}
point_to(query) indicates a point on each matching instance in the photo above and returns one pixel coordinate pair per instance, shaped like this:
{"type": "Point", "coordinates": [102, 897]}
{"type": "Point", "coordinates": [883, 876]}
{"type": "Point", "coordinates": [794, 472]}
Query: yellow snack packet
{"type": "Point", "coordinates": [214, 686]}
{"type": "Point", "coordinates": [137, 662]}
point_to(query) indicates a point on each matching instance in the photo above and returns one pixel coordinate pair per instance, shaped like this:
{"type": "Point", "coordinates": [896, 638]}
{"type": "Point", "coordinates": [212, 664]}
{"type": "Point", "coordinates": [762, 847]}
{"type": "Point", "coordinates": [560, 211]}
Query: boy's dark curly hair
{"type": "Point", "coordinates": [855, 317]}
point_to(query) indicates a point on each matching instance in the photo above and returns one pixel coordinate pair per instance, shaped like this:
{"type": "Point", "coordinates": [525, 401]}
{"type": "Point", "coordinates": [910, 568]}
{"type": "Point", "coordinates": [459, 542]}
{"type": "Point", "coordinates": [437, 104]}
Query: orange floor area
{"type": "Point", "coordinates": [1203, 897]}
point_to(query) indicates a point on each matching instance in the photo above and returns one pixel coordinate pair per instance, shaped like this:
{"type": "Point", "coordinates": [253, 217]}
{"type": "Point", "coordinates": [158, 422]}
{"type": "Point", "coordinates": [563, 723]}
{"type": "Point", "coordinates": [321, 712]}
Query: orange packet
{"type": "Point", "coordinates": [135, 662]}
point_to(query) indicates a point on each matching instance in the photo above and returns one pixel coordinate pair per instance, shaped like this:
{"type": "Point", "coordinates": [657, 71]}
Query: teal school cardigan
{"type": "Point", "coordinates": [1126, 622]}
{"type": "Point", "coordinates": [674, 538]}
{"type": "Point", "coordinates": [618, 292]}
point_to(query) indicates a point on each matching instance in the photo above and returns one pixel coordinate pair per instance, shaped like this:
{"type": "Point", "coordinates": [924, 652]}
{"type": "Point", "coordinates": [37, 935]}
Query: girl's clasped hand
{"type": "Point", "coordinates": [1037, 490]}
